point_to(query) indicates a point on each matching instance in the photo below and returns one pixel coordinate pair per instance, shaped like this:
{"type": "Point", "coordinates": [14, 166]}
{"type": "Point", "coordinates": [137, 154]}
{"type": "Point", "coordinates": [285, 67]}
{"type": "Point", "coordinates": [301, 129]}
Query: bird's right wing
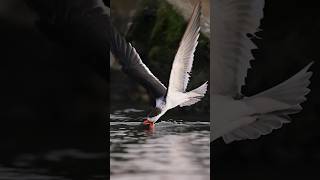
{"type": "Point", "coordinates": [182, 64]}
{"type": "Point", "coordinates": [133, 66]}
{"type": "Point", "coordinates": [231, 48]}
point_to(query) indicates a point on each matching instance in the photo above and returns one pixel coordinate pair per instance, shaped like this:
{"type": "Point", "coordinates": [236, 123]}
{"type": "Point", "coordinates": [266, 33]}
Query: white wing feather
{"type": "Point", "coordinates": [231, 48]}
{"type": "Point", "coordinates": [182, 64]}
{"type": "Point", "coordinates": [231, 55]}
{"type": "Point", "coordinates": [285, 99]}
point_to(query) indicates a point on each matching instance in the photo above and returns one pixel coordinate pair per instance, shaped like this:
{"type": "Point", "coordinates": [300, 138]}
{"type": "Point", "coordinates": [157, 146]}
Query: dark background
{"type": "Point", "coordinates": [54, 96]}
{"type": "Point", "coordinates": [290, 40]}
{"type": "Point", "coordinates": [54, 85]}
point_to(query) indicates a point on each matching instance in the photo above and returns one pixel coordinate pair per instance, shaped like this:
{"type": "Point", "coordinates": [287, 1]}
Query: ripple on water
{"type": "Point", "coordinates": [174, 150]}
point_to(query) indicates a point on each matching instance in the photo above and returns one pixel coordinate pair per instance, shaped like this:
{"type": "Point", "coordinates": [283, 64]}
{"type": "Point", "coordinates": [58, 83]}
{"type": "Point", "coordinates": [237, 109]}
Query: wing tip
{"type": "Point", "coordinates": [309, 65]}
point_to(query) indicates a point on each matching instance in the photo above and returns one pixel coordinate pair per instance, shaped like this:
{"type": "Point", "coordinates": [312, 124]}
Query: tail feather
{"type": "Point", "coordinates": [274, 106]}
{"type": "Point", "coordinates": [293, 90]}
{"type": "Point", "coordinates": [196, 95]}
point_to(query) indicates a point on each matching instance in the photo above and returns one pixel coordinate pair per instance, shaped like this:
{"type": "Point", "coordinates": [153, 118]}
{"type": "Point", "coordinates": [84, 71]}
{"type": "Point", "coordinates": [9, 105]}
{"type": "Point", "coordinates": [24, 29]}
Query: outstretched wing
{"type": "Point", "coordinates": [289, 94]}
{"type": "Point", "coordinates": [182, 64]}
{"type": "Point", "coordinates": [133, 66]}
{"type": "Point", "coordinates": [86, 25]}
{"type": "Point", "coordinates": [231, 48]}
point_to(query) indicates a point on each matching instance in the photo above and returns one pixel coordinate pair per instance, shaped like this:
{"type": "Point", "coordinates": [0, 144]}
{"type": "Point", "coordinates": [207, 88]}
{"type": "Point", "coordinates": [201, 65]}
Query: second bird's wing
{"type": "Point", "coordinates": [231, 48]}
{"type": "Point", "coordinates": [273, 107]}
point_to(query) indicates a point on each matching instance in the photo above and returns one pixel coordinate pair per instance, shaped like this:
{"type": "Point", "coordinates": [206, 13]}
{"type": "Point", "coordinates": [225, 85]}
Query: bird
{"type": "Point", "coordinates": [235, 116]}
{"type": "Point", "coordinates": [176, 94]}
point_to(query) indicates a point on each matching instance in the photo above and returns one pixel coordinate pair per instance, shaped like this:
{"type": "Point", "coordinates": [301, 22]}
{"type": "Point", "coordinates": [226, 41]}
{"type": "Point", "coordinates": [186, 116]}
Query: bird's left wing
{"type": "Point", "coordinates": [182, 64]}
{"type": "Point", "coordinates": [231, 48]}
{"type": "Point", "coordinates": [133, 66]}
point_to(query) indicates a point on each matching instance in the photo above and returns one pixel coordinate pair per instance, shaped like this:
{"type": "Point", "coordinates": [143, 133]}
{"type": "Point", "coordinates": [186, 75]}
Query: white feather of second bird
{"type": "Point", "coordinates": [250, 117]}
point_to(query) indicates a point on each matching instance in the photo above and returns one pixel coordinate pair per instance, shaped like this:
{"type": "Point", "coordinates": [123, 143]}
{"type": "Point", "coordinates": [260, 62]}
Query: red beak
{"type": "Point", "coordinates": [148, 123]}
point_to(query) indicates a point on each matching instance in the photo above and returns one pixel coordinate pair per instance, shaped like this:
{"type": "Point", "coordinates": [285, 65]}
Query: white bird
{"type": "Point", "coordinates": [234, 116]}
{"type": "Point", "coordinates": [176, 94]}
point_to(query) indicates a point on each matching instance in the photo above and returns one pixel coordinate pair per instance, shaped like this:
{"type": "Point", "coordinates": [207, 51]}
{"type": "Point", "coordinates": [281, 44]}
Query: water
{"type": "Point", "coordinates": [60, 164]}
{"type": "Point", "coordinates": [175, 149]}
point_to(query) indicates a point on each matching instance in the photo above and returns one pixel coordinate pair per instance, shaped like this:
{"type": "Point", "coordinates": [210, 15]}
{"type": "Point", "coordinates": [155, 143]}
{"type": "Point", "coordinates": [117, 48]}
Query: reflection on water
{"type": "Point", "coordinates": [62, 164]}
{"type": "Point", "coordinates": [173, 150]}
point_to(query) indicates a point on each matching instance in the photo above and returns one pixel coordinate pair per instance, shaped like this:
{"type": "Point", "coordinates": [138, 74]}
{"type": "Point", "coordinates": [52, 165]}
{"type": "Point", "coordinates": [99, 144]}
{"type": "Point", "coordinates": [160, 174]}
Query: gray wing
{"type": "Point", "coordinates": [133, 66]}
{"type": "Point", "coordinates": [231, 48]}
{"type": "Point", "coordinates": [182, 64]}
{"type": "Point", "coordinates": [86, 24]}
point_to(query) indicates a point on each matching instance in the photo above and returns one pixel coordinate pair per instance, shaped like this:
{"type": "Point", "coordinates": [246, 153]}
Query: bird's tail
{"type": "Point", "coordinates": [273, 106]}
{"type": "Point", "coordinates": [195, 95]}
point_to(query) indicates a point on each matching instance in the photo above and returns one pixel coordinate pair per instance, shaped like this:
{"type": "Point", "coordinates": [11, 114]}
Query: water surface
{"type": "Point", "coordinates": [176, 149]}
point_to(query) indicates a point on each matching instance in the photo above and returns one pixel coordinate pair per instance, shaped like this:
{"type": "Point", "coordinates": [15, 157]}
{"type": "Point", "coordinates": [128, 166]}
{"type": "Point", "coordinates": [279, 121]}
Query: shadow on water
{"type": "Point", "coordinates": [175, 149]}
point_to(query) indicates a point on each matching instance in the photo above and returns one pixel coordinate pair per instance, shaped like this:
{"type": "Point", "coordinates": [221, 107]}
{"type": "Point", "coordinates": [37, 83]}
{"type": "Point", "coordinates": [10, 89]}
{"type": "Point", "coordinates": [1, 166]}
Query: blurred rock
{"type": "Point", "coordinates": [185, 8]}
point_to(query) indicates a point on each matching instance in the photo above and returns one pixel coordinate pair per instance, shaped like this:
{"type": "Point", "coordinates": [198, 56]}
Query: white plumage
{"type": "Point", "coordinates": [233, 117]}
{"type": "Point", "coordinates": [182, 65]}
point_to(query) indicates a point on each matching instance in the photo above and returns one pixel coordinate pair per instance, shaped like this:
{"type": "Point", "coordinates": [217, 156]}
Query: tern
{"type": "Point", "coordinates": [235, 116]}
{"type": "Point", "coordinates": [176, 94]}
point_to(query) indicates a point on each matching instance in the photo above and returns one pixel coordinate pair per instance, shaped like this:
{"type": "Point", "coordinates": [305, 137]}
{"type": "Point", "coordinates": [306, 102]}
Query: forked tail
{"type": "Point", "coordinates": [196, 95]}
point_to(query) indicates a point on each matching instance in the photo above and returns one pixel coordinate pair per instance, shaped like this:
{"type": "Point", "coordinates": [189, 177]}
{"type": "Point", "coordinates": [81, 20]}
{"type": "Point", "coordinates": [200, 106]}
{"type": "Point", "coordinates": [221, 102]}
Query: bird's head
{"type": "Point", "coordinates": [152, 117]}
{"type": "Point", "coordinates": [148, 123]}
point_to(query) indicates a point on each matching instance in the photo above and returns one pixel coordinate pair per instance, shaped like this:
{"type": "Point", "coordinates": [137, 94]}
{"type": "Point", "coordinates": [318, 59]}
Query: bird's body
{"type": "Point", "coordinates": [176, 94]}
{"type": "Point", "coordinates": [235, 116]}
